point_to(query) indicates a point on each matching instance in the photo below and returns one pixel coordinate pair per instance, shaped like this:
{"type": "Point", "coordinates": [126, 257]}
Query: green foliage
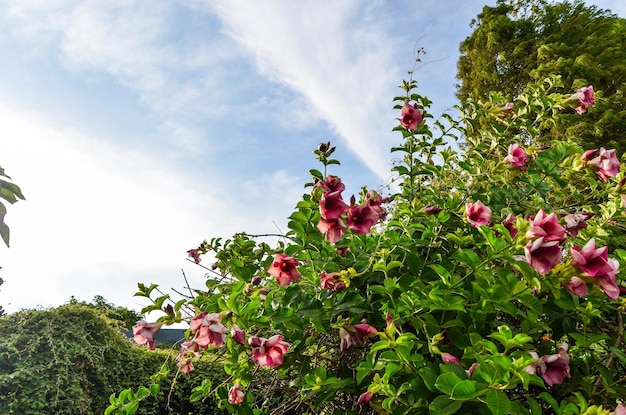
{"type": "Point", "coordinates": [116, 316]}
{"type": "Point", "coordinates": [11, 193]}
{"type": "Point", "coordinates": [69, 360]}
{"type": "Point", "coordinates": [515, 43]}
{"type": "Point", "coordinates": [431, 311]}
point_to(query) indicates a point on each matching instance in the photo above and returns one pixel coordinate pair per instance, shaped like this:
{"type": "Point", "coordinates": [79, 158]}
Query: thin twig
{"type": "Point", "coordinates": [261, 235]}
{"type": "Point", "coordinates": [181, 294]}
{"type": "Point", "coordinates": [187, 283]}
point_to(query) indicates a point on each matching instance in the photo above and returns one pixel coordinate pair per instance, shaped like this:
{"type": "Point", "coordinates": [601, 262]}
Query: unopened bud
{"type": "Point", "coordinates": [323, 147]}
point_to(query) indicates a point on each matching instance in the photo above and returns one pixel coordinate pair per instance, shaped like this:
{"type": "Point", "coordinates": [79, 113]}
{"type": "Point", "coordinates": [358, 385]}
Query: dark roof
{"type": "Point", "coordinates": [163, 336]}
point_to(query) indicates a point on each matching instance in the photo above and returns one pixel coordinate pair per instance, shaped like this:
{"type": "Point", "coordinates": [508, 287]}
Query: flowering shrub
{"type": "Point", "coordinates": [483, 284]}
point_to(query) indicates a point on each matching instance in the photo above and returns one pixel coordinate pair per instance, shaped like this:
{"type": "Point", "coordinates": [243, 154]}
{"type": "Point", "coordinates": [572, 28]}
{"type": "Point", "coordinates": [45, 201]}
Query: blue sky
{"type": "Point", "coordinates": [137, 129]}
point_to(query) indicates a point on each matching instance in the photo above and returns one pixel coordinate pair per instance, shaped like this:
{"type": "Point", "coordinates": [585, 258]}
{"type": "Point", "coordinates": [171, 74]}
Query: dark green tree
{"type": "Point", "coordinates": [115, 315]}
{"type": "Point", "coordinates": [69, 360]}
{"type": "Point", "coordinates": [523, 41]}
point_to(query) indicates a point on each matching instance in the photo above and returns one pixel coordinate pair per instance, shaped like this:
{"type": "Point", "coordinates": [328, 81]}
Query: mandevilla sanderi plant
{"type": "Point", "coordinates": [484, 280]}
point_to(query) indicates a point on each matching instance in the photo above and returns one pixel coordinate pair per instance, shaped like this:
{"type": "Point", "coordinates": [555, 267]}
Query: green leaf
{"type": "Point", "coordinates": [391, 369]}
{"type": "Point", "coordinates": [468, 257]}
{"type": "Point", "coordinates": [4, 232]}
{"type": "Point", "coordinates": [142, 392]}
{"type": "Point", "coordinates": [446, 382]}
{"type": "Point", "coordinates": [131, 408]}
{"type": "Point", "coordinates": [551, 401]}
{"type": "Point", "coordinates": [429, 376]}
{"type": "Point", "coordinates": [311, 308]}
{"type": "Point", "coordinates": [299, 217]}
{"type": "Point", "coordinates": [442, 405]}
{"type": "Point", "coordinates": [498, 402]}
{"type": "Point", "coordinates": [467, 389]}
{"type": "Point", "coordinates": [363, 369]}
{"type": "Point", "coordinates": [10, 192]}
{"type": "Point", "coordinates": [316, 173]}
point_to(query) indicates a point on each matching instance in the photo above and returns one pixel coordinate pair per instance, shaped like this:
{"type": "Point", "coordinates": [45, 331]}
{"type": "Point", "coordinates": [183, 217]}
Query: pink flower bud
{"type": "Point", "coordinates": [364, 398]}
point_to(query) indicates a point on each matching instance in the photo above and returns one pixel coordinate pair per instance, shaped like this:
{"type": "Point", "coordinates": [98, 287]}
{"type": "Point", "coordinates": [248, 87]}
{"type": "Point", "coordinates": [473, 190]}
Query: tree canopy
{"type": "Point", "coordinates": [517, 42]}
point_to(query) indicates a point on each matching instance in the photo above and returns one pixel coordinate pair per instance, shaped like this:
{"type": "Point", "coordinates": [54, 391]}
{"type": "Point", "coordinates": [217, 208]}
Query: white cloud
{"type": "Point", "coordinates": [98, 218]}
{"type": "Point", "coordinates": [343, 68]}
{"type": "Point", "coordinates": [178, 72]}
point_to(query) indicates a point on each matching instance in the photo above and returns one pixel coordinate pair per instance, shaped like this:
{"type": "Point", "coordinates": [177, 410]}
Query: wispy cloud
{"type": "Point", "coordinates": [336, 55]}
{"type": "Point", "coordinates": [179, 73]}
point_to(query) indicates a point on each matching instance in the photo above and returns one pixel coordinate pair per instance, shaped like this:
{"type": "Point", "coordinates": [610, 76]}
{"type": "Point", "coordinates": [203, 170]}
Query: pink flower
{"type": "Point", "coordinates": [354, 335]}
{"type": "Point", "coordinates": [577, 286]}
{"type": "Point", "coordinates": [238, 335]}
{"type": "Point", "coordinates": [332, 206]}
{"type": "Point", "coordinates": [361, 218]}
{"type": "Point", "coordinates": [575, 222]}
{"type": "Point", "coordinates": [364, 398]}
{"type": "Point", "coordinates": [333, 230]}
{"type": "Point", "coordinates": [332, 282]}
{"type": "Point", "coordinates": [375, 200]}
{"type": "Point", "coordinates": [411, 116]}
{"type": "Point", "coordinates": [235, 395]}
{"type": "Point", "coordinates": [195, 255]}
{"type": "Point", "coordinates": [555, 367]}
{"type": "Point", "coordinates": [584, 97]}
{"type": "Point", "coordinates": [516, 157]}
{"type": "Point", "coordinates": [331, 185]}
{"type": "Point", "coordinates": [268, 352]}
{"type": "Point", "coordinates": [542, 255]}
{"type": "Point", "coordinates": [595, 263]}
{"type": "Point", "coordinates": [546, 227]}
{"type": "Point", "coordinates": [190, 346]}
{"type": "Point", "coordinates": [508, 224]}
{"type": "Point", "coordinates": [210, 329]}
{"type": "Point", "coordinates": [591, 259]}
{"type": "Point", "coordinates": [284, 269]}
{"type": "Point", "coordinates": [477, 214]}
{"type": "Point", "coordinates": [603, 161]}
{"type": "Point", "coordinates": [448, 358]}
{"type": "Point", "coordinates": [184, 364]}
{"type": "Point", "coordinates": [607, 281]}
{"type": "Point", "coordinates": [472, 369]}
{"type": "Point", "coordinates": [619, 410]}
{"type": "Point", "coordinates": [144, 332]}
{"type": "Point", "coordinates": [506, 110]}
